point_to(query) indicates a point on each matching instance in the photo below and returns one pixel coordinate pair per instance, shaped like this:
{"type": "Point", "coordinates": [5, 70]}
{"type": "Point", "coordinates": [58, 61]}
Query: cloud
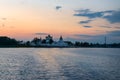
{"type": "Point", "coordinates": [115, 33]}
{"type": "Point", "coordinates": [83, 11]}
{"type": "Point", "coordinates": [71, 39]}
{"type": "Point", "coordinates": [3, 21]}
{"type": "Point", "coordinates": [88, 13]}
{"type": "Point", "coordinates": [85, 22]}
{"type": "Point", "coordinates": [90, 38]}
{"type": "Point", "coordinates": [41, 33]}
{"type": "Point", "coordinates": [2, 25]}
{"type": "Point", "coordinates": [117, 27]}
{"type": "Point", "coordinates": [106, 26]}
{"type": "Point", "coordinates": [113, 16]}
{"type": "Point", "coordinates": [4, 18]}
{"type": "Point", "coordinates": [58, 7]}
{"type": "Point", "coordinates": [111, 26]}
{"type": "Point", "coordinates": [87, 26]}
{"type": "Point", "coordinates": [112, 37]}
{"type": "Point", "coordinates": [83, 35]}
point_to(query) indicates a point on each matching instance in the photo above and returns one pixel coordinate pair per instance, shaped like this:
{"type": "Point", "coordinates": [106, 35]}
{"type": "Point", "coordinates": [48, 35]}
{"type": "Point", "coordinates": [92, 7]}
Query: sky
{"type": "Point", "coordinates": [75, 20]}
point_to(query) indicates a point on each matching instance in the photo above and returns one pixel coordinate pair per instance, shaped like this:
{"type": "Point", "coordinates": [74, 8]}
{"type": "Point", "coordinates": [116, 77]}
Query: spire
{"type": "Point", "coordinates": [61, 39]}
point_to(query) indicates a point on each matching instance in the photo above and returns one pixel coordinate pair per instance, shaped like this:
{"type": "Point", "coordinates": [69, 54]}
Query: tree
{"type": "Point", "coordinates": [28, 43]}
{"type": "Point", "coordinates": [77, 44]}
{"type": "Point", "coordinates": [35, 40]}
{"type": "Point", "coordinates": [6, 41]}
{"type": "Point", "coordinates": [43, 41]}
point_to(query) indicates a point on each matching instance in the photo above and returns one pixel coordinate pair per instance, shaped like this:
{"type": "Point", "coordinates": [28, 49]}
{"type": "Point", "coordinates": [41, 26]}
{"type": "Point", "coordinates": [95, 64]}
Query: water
{"type": "Point", "coordinates": [59, 64]}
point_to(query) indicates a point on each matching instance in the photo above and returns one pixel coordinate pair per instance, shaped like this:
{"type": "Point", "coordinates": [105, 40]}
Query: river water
{"type": "Point", "coordinates": [59, 64]}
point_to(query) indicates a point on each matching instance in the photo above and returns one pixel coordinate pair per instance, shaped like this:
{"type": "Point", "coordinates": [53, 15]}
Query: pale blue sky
{"type": "Point", "coordinates": [74, 4]}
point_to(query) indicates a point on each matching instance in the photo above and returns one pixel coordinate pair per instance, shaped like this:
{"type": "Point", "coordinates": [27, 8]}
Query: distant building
{"type": "Point", "coordinates": [60, 43]}
{"type": "Point", "coordinates": [49, 42]}
{"type": "Point", "coordinates": [36, 42]}
{"type": "Point", "coordinates": [49, 39]}
{"type": "Point", "coordinates": [60, 39]}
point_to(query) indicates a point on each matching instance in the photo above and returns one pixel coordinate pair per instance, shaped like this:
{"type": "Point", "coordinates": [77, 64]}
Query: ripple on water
{"type": "Point", "coordinates": [59, 64]}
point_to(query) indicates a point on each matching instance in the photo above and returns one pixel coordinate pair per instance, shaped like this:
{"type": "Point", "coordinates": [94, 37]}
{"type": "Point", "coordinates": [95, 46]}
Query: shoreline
{"type": "Point", "coordinates": [59, 47]}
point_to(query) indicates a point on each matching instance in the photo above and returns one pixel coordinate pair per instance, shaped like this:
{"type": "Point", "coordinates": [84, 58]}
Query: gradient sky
{"type": "Point", "coordinates": [76, 20]}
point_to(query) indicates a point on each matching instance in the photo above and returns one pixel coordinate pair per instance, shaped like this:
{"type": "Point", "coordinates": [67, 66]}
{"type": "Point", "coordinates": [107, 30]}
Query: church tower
{"type": "Point", "coordinates": [61, 39]}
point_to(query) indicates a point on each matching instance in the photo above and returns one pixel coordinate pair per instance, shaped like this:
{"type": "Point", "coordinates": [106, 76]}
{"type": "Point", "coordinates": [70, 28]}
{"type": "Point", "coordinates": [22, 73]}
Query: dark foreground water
{"type": "Point", "coordinates": [59, 64]}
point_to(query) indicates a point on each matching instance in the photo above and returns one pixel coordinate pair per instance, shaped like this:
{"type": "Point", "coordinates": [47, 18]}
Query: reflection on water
{"type": "Point", "coordinates": [59, 64]}
{"type": "Point", "coordinates": [53, 69]}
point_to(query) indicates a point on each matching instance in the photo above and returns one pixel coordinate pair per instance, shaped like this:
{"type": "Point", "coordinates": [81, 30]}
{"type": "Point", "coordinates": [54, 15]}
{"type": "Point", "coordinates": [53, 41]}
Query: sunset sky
{"type": "Point", "coordinates": [75, 20]}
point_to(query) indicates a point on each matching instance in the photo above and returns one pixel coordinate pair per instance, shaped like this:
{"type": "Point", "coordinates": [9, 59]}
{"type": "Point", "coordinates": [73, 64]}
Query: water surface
{"type": "Point", "coordinates": [59, 64]}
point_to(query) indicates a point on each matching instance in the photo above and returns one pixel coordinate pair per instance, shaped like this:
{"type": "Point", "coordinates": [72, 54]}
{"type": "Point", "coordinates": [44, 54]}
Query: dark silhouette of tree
{"type": "Point", "coordinates": [43, 41]}
{"type": "Point", "coordinates": [28, 43]}
{"type": "Point", "coordinates": [115, 45]}
{"type": "Point", "coordinates": [69, 43]}
{"type": "Point", "coordinates": [77, 44]}
{"type": "Point", "coordinates": [85, 44]}
{"type": "Point", "coordinates": [36, 40]}
{"type": "Point", "coordinates": [9, 42]}
{"type": "Point", "coordinates": [51, 41]}
{"type": "Point", "coordinates": [6, 41]}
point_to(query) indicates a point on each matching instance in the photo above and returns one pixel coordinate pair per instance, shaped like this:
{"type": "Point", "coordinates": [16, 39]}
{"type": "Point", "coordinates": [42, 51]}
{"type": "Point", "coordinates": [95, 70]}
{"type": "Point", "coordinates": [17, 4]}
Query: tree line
{"type": "Point", "coordinates": [10, 42]}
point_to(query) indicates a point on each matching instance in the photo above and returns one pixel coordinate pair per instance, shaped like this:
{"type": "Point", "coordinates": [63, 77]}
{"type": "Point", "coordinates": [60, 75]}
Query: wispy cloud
{"type": "Point", "coordinates": [58, 7]}
{"type": "Point", "coordinates": [41, 33]}
{"type": "Point", "coordinates": [3, 18]}
{"type": "Point", "coordinates": [117, 27]}
{"type": "Point", "coordinates": [115, 33]}
{"type": "Point", "coordinates": [85, 22]}
{"type": "Point", "coordinates": [106, 26]}
{"type": "Point", "coordinates": [83, 35]}
{"type": "Point", "coordinates": [88, 14]}
{"type": "Point", "coordinates": [112, 36]}
{"type": "Point", "coordinates": [113, 16]}
{"type": "Point", "coordinates": [87, 26]}
{"type": "Point", "coordinates": [90, 38]}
